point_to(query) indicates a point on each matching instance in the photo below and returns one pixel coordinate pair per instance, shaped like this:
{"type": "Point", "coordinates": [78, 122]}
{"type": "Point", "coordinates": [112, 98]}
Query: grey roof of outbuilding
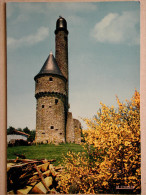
{"type": "Point", "coordinates": [50, 67]}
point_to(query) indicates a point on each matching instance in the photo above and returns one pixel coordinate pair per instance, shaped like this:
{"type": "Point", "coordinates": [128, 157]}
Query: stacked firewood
{"type": "Point", "coordinates": [26, 176]}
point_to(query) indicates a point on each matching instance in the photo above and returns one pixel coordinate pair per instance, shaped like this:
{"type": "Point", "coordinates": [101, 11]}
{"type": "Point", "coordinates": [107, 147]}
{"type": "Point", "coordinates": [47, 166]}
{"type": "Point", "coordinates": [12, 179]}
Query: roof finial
{"type": "Point", "coordinates": [60, 16]}
{"type": "Point", "coordinates": [51, 52]}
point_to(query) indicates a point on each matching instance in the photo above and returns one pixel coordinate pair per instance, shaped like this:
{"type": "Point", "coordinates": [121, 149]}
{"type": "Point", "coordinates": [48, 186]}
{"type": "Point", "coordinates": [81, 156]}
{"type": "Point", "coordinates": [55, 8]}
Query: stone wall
{"type": "Point", "coordinates": [61, 52]}
{"type": "Point", "coordinates": [51, 84]}
{"type": "Point", "coordinates": [50, 117]}
{"type": "Point", "coordinates": [70, 129]}
{"type": "Point", "coordinates": [50, 109]}
{"type": "Point", "coordinates": [73, 130]}
{"type": "Point", "coordinates": [77, 129]}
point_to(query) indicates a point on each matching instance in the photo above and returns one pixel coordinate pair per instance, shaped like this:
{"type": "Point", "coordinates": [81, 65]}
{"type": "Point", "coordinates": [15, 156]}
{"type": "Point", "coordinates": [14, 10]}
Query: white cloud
{"type": "Point", "coordinates": [116, 28]}
{"type": "Point", "coordinates": [41, 34]}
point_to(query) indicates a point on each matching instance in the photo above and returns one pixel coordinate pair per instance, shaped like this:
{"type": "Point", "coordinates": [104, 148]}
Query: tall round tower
{"type": "Point", "coordinates": [61, 51]}
{"type": "Point", "coordinates": [50, 93]}
{"type": "Point", "coordinates": [61, 40]}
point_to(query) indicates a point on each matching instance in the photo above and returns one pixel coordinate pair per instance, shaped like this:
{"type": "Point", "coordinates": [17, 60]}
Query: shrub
{"type": "Point", "coordinates": [112, 157]}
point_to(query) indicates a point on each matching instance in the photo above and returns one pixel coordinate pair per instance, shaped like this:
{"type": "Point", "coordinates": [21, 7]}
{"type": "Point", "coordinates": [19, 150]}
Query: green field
{"type": "Point", "coordinates": [48, 151]}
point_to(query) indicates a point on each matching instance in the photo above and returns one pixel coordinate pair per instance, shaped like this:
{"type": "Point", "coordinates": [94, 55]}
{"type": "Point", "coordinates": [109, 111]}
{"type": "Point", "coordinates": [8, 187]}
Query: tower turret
{"type": "Point", "coordinates": [61, 52]}
{"type": "Point", "coordinates": [50, 93]}
{"type": "Point", "coordinates": [61, 40]}
{"type": "Point", "coordinates": [61, 25]}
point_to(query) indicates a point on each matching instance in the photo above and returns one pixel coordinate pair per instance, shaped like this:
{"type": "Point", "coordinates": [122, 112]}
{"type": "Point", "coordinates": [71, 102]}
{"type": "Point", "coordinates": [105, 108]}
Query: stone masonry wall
{"type": "Point", "coordinates": [70, 128]}
{"type": "Point", "coordinates": [50, 111]}
{"type": "Point", "coordinates": [50, 117]}
{"type": "Point", "coordinates": [77, 129]}
{"type": "Point", "coordinates": [61, 54]}
{"type": "Point", "coordinates": [51, 84]}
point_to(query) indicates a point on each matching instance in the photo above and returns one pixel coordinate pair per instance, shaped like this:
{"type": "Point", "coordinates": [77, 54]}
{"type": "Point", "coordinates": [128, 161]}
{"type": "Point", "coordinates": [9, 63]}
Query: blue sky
{"type": "Point", "coordinates": [104, 54]}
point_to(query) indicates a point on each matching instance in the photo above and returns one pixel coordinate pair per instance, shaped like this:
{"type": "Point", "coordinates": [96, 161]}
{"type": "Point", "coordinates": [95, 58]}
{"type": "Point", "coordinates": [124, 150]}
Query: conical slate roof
{"type": "Point", "coordinates": [50, 67]}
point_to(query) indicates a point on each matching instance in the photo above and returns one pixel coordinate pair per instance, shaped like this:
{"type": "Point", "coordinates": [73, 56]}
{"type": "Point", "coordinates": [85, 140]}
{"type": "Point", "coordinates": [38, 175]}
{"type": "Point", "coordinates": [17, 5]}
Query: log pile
{"type": "Point", "coordinates": [26, 176]}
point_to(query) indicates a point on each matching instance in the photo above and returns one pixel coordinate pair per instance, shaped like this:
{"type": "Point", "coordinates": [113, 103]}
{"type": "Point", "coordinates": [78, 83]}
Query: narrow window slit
{"type": "Point", "coordinates": [50, 79]}
{"type": "Point", "coordinates": [56, 101]}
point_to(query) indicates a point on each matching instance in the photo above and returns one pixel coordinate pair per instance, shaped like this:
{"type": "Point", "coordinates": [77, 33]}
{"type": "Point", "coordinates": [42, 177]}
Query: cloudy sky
{"type": "Point", "coordinates": [104, 54]}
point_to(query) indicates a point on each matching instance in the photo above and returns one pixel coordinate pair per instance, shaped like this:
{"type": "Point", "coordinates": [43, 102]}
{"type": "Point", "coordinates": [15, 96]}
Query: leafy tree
{"type": "Point", "coordinates": [31, 138]}
{"type": "Point", "coordinates": [112, 157]}
{"type": "Point", "coordinates": [26, 130]}
{"type": "Point", "coordinates": [10, 130]}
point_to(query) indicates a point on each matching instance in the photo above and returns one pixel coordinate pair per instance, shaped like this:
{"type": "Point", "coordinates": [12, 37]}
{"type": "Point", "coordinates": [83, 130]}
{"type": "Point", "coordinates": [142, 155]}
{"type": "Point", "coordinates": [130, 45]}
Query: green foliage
{"type": "Point", "coordinates": [10, 130]}
{"type": "Point", "coordinates": [32, 136]}
{"type": "Point", "coordinates": [26, 130]}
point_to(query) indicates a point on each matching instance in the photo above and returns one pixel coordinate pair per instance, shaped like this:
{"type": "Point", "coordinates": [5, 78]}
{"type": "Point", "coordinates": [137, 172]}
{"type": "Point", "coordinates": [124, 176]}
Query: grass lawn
{"type": "Point", "coordinates": [48, 151]}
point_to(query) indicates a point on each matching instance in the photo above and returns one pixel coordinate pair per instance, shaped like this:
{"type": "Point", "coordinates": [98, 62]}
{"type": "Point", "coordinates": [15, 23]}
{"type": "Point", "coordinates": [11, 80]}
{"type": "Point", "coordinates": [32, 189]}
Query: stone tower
{"type": "Point", "coordinates": [61, 50]}
{"type": "Point", "coordinates": [61, 40]}
{"type": "Point", "coordinates": [53, 121]}
{"type": "Point", "coordinates": [50, 92]}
